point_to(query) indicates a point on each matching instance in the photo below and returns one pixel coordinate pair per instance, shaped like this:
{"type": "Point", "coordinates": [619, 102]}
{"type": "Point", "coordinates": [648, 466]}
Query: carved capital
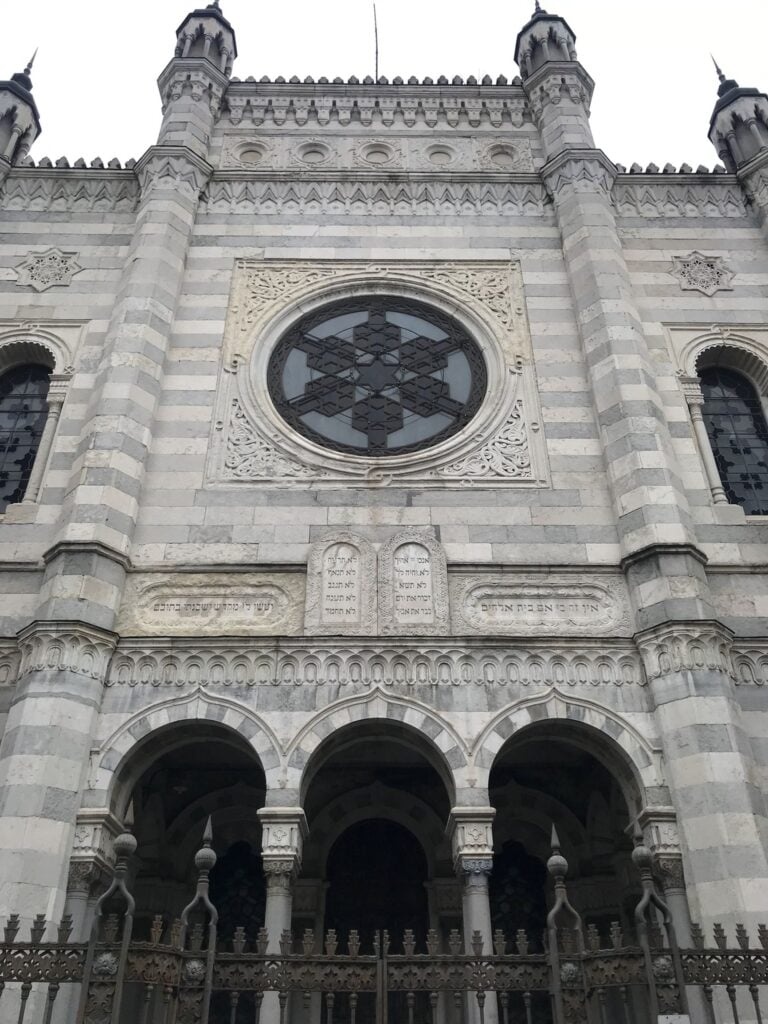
{"type": "Point", "coordinates": [556, 83]}
{"type": "Point", "coordinates": [66, 647]}
{"type": "Point", "coordinates": [671, 874]}
{"type": "Point", "coordinates": [686, 647]}
{"type": "Point", "coordinates": [280, 873]}
{"type": "Point", "coordinates": [474, 871]}
{"type": "Point", "coordinates": [172, 168]}
{"type": "Point", "coordinates": [85, 877]}
{"type": "Point", "coordinates": [578, 171]}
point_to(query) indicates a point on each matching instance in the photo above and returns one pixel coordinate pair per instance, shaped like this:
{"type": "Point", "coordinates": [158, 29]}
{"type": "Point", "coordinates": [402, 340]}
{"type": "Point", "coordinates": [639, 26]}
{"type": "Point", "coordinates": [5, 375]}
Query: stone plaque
{"type": "Point", "coordinates": [413, 585]}
{"type": "Point", "coordinates": [528, 605]}
{"type": "Point", "coordinates": [341, 576]}
{"type": "Point", "coordinates": [214, 605]}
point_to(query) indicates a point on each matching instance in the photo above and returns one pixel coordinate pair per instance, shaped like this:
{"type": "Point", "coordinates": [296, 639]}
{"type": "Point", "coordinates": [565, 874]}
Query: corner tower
{"type": "Point", "coordinates": [194, 82]}
{"type": "Point", "coordinates": [558, 88]}
{"type": "Point", "coordinates": [738, 129]}
{"type": "Point", "coordinates": [19, 119]}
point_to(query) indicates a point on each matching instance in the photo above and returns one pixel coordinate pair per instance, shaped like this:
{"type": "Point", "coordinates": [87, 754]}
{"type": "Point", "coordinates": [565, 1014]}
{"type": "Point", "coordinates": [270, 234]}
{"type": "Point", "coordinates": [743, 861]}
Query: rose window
{"type": "Point", "coordinates": [377, 376]}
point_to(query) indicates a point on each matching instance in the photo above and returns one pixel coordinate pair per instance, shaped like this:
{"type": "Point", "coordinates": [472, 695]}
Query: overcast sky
{"type": "Point", "coordinates": [95, 74]}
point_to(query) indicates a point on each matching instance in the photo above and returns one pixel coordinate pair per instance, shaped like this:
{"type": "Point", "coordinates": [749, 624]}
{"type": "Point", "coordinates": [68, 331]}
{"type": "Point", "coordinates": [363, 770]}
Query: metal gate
{"type": "Point", "coordinates": [182, 975]}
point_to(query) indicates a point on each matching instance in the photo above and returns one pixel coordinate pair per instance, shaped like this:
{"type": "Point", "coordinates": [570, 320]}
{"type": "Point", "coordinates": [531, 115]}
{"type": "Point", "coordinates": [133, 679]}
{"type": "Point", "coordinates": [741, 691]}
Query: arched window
{"type": "Point", "coordinates": [738, 434]}
{"type": "Point", "coordinates": [23, 412]}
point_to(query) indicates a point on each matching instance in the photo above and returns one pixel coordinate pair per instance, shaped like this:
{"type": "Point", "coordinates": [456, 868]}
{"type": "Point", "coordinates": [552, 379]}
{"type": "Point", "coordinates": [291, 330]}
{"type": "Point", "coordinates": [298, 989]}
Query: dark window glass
{"type": "Point", "coordinates": [739, 437]}
{"type": "Point", "coordinates": [377, 376]}
{"type": "Point", "coordinates": [23, 411]}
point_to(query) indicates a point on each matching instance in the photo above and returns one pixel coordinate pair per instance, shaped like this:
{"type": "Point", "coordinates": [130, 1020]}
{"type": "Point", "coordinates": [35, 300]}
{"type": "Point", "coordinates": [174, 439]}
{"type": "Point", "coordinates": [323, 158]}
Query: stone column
{"type": "Point", "coordinates": [283, 832]}
{"type": "Point", "coordinates": [471, 833]}
{"type": "Point", "coordinates": [56, 394]}
{"type": "Point", "coordinates": [695, 399]}
{"type": "Point", "coordinates": [44, 757]}
{"type": "Point", "coordinates": [713, 780]}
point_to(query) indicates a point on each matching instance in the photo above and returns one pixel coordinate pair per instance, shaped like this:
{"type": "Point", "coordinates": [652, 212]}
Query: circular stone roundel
{"type": "Point", "coordinates": [377, 376]}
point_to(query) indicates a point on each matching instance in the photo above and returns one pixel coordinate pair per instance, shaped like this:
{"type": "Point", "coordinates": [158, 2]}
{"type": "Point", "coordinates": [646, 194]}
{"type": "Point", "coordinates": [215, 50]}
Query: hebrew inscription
{"type": "Point", "coordinates": [212, 605]}
{"type": "Point", "coordinates": [413, 585]}
{"type": "Point", "coordinates": [341, 576]}
{"type": "Point", "coordinates": [528, 606]}
{"type": "Point", "coordinates": [413, 595]}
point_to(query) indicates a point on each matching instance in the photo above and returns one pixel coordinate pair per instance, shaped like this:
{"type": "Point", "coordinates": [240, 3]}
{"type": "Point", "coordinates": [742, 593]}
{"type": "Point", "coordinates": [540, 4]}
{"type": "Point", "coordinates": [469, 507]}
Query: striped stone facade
{"type": "Point", "coordinates": [586, 575]}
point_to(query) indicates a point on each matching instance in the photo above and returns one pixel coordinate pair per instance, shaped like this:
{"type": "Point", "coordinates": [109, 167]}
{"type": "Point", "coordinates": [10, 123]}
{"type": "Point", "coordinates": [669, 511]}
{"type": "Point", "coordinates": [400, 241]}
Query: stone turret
{"type": "Point", "coordinates": [194, 82]}
{"type": "Point", "coordinates": [19, 119]}
{"type": "Point", "coordinates": [559, 89]}
{"type": "Point", "coordinates": [738, 129]}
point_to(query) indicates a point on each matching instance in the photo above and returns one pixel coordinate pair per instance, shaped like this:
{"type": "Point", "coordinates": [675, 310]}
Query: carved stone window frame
{"type": "Point", "coordinates": [745, 348]}
{"type": "Point", "coordinates": [22, 344]}
{"type": "Point", "coordinates": [252, 445]}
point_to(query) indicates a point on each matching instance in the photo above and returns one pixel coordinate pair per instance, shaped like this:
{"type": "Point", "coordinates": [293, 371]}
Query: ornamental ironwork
{"type": "Point", "coordinates": [189, 974]}
{"type": "Point", "coordinates": [377, 376]}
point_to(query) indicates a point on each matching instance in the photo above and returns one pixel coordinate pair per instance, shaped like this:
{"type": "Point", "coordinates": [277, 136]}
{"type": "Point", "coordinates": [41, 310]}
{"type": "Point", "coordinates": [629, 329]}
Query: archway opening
{"type": "Point", "coordinates": [175, 781]}
{"type": "Point", "coordinates": [551, 774]}
{"type": "Point", "coordinates": [377, 858]}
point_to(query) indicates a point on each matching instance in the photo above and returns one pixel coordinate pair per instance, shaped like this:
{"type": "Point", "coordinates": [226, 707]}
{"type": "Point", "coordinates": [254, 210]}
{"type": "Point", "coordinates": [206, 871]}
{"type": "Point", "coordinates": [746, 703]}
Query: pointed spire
{"type": "Point", "coordinates": [538, 9]}
{"type": "Point", "coordinates": [22, 78]}
{"type": "Point", "coordinates": [726, 84]}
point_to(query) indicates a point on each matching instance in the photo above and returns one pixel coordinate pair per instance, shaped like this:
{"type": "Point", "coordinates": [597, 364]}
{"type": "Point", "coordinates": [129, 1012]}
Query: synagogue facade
{"type": "Point", "coordinates": [384, 476]}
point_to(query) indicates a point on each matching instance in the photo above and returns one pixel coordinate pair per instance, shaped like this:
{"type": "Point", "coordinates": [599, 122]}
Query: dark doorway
{"type": "Point", "coordinates": [376, 873]}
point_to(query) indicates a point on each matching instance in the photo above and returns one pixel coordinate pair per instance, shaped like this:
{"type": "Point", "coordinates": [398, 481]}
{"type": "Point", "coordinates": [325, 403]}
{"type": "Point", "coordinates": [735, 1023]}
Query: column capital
{"type": "Point", "coordinates": [67, 646]}
{"type": "Point", "coordinates": [174, 168]}
{"type": "Point", "coordinates": [85, 877]}
{"type": "Point", "coordinates": [470, 830]}
{"type": "Point", "coordinates": [686, 646]}
{"type": "Point", "coordinates": [579, 171]}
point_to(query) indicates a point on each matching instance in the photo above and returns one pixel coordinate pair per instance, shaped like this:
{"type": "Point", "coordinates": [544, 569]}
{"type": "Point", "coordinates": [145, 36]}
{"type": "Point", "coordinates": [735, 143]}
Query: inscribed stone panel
{"type": "Point", "coordinates": [341, 596]}
{"type": "Point", "coordinates": [413, 585]}
{"type": "Point", "coordinates": [181, 604]}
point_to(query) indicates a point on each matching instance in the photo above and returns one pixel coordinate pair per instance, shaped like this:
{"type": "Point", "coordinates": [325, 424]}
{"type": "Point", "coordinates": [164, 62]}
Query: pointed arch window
{"type": "Point", "coordinates": [738, 434]}
{"type": "Point", "coordinates": [23, 416]}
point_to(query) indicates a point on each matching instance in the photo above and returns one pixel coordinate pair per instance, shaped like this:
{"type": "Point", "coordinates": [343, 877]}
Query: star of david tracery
{"type": "Point", "coordinates": [378, 376]}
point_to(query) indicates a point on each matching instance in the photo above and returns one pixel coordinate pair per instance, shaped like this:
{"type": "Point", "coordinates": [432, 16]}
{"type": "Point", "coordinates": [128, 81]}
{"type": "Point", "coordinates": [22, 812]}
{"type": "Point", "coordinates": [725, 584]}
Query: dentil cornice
{"type": "Point", "coordinates": [579, 171]}
{"type": "Point", "coordinates": [673, 647]}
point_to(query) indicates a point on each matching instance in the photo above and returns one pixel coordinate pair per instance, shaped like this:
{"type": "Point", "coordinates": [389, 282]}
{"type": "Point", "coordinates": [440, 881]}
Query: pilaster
{"type": "Point", "coordinates": [712, 776]}
{"type": "Point", "coordinates": [44, 756]}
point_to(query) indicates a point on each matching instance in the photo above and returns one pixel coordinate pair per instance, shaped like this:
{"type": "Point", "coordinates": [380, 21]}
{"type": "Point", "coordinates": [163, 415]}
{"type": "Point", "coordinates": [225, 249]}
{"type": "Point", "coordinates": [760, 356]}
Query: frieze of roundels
{"type": "Point", "coordinates": [412, 667]}
{"type": "Point", "coordinates": [526, 605]}
{"type": "Point", "coordinates": [194, 604]}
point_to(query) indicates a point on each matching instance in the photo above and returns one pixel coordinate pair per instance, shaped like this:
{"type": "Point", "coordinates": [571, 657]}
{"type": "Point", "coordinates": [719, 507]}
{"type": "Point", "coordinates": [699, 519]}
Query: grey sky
{"type": "Point", "coordinates": [99, 59]}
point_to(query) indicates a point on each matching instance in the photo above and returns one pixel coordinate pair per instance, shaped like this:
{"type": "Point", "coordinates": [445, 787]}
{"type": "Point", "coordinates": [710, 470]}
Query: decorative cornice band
{"type": "Point", "coordinates": [414, 662]}
{"type": "Point", "coordinates": [578, 171]}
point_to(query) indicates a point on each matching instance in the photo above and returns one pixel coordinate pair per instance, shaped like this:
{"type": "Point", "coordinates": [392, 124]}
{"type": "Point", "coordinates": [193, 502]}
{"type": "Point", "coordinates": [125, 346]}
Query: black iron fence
{"type": "Point", "coordinates": [182, 975]}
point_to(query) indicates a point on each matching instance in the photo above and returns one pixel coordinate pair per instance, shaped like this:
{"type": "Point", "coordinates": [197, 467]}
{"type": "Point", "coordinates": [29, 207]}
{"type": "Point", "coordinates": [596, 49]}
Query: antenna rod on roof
{"type": "Point", "coordinates": [376, 39]}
